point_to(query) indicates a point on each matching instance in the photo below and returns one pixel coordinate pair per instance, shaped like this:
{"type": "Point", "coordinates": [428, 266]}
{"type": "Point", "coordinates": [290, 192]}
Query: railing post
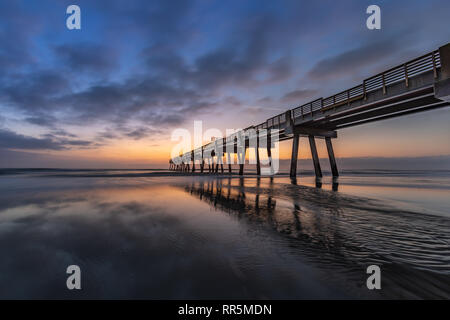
{"type": "Point", "coordinates": [258, 163]}
{"type": "Point", "coordinates": [434, 64]}
{"type": "Point", "coordinates": [202, 165]}
{"type": "Point", "coordinates": [406, 75]}
{"type": "Point", "coordinates": [289, 118]}
{"type": "Point", "coordinates": [384, 84]}
{"type": "Point", "coordinates": [269, 149]}
{"type": "Point", "coordinates": [364, 90]}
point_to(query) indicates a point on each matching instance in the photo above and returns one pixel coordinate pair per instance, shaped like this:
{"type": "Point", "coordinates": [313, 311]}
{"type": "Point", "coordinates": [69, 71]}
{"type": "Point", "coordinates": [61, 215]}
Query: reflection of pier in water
{"type": "Point", "coordinates": [338, 230]}
{"type": "Point", "coordinates": [256, 200]}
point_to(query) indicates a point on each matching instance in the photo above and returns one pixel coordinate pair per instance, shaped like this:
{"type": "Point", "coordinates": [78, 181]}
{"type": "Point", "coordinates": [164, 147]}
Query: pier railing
{"type": "Point", "coordinates": [402, 73]}
{"type": "Point", "coordinates": [428, 62]}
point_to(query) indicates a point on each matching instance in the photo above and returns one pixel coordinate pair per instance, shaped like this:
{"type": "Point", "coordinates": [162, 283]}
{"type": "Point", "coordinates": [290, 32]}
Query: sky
{"type": "Point", "coordinates": [111, 94]}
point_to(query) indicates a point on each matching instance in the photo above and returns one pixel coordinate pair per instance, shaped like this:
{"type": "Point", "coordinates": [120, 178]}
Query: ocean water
{"type": "Point", "coordinates": [162, 235]}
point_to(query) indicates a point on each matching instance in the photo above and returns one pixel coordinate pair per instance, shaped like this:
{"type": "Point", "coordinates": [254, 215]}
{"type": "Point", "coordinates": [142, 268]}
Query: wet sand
{"type": "Point", "coordinates": [153, 235]}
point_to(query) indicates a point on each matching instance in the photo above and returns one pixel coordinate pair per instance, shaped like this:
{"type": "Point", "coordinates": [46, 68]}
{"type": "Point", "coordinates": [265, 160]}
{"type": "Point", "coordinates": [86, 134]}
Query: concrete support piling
{"type": "Point", "coordinates": [269, 150]}
{"type": "Point", "coordinates": [229, 162]}
{"type": "Point", "coordinates": [315, 157]}
{"type": "Point", "coordinates": [258, 163]}
{"type": "Point", "coordinates": [241, 158]}
{"type": "Point", "coordinates": [294, 155]}
{"type": "Point", "coordinates": [333, 165]}
{"type": "Point", "coordinates": [241, 169]}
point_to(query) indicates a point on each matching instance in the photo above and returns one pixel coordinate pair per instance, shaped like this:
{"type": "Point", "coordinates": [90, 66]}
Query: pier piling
{"type": "Point", "coordinates": [315, 157]}
{"type": "Point", "coordinates": [333, 165]}
{"type": "Point", "coordinates": [294, 156]}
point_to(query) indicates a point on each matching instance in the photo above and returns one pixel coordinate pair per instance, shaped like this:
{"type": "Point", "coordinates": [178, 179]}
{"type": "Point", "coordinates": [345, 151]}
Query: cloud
{"type": "Point", "coordinates": [12, 140]}
{"type": "Point", "coordinates": [86, 57]}
{"type": "Point", "coordinates": [140, 133]}
{"type": "Point", "coordinates": [16, 41]}
{"type": "Point", "coordinates": [241, 60]}
{"type": "Point", "coordinates": [281, 69]}
{"type": "Point", "coordinates": [34, 92]}
{"type": "Point", "coordinates": [232, 101]}
{"type": "Point", "coordinates": [298, 95]}
{"type": "Point", "coordinates": [351, 61]}
{"type": "Point", "coordinates": [161, 86]}
{"type": "Point", "coordinates": [41, 120]}
{"type": "Point", "coordinates": [265, 100]}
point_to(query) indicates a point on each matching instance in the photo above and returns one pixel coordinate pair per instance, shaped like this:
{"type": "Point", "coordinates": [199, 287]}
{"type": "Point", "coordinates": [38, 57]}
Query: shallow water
{"type": "Point", "coordinates": [149, 234]}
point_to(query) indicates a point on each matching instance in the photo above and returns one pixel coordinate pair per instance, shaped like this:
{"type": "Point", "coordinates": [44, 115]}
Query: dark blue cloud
{"type": "Point", "coordinates": [13, 140]}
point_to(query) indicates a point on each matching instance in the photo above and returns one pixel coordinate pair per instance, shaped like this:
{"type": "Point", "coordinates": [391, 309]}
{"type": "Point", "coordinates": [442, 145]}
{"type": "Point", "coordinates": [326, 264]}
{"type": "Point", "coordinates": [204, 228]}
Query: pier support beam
{"type": "Point", "coordinates": [221, 163]}
{"type": "Point", "coordinates": [229, 162]}
{"type": "Point", "coordinates": [269, 150]}
{"type": "Point", "coordinates": [241, 169]}
{"type": "Point", "coordinates": [193, 166]}
{"type": "Point", "coordinates": [241, 158]}
{"type": "Point", "coordinates": [333, 165]}
{"type": "Point", "coordinates": [294, 155]}
{"type": "Point", "coordinates": [202, 165]}
{"type": "Point", "coordinates": [315, 157]}
{"type": "Point", "coordinates": [258, 162]}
